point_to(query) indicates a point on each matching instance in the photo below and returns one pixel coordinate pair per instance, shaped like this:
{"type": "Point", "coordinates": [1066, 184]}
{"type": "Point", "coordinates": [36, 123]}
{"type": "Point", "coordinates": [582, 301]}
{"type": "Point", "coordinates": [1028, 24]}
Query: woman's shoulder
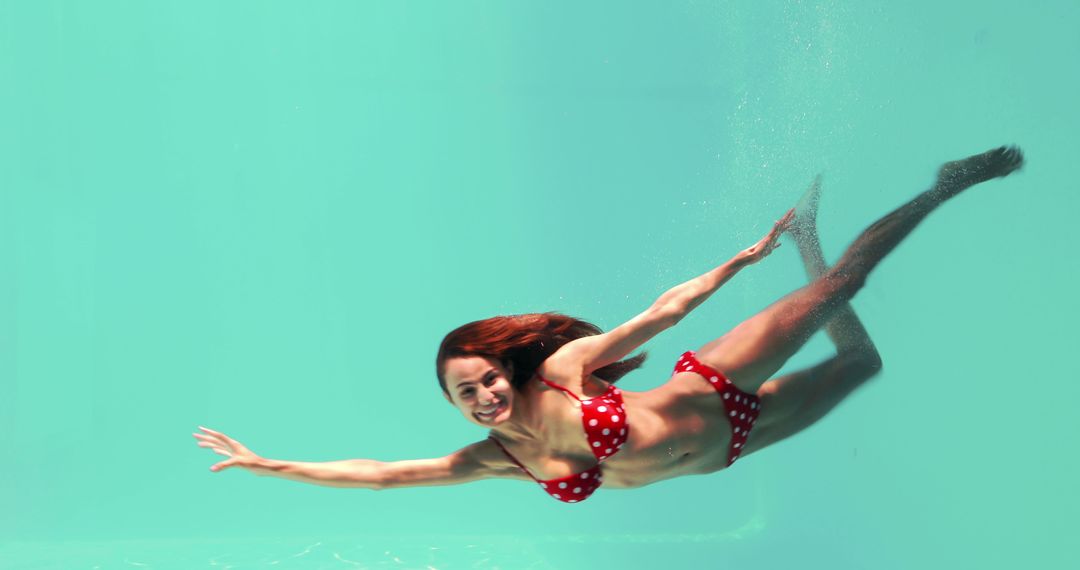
{"type": "Point", "coordinates": [570, 380]}
{"type": "Point", "coordinates": [562, 371]}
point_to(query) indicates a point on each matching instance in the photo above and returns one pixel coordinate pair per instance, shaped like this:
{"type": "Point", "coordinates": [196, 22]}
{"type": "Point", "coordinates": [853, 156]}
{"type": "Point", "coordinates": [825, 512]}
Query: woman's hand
{"type": "Point", "coordinates": [237, 454]}
{"type": "Point", "coordinates": [771, 241]}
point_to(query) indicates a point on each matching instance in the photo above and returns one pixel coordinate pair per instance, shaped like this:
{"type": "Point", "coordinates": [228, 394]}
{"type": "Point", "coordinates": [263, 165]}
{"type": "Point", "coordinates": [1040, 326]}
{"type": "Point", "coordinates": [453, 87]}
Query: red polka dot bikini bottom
{"type": "Point", "coordinates": [742, 409]}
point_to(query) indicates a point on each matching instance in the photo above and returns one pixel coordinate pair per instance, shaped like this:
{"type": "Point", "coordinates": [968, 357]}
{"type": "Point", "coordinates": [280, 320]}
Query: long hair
{"type": "Point", "coordinates": [523, 341]}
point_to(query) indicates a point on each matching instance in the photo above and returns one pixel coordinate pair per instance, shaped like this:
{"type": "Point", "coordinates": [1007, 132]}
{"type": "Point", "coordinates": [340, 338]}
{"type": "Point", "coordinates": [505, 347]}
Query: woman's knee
{"type": "Point", "coordinates": [868, 356]}
{"type": "Point", "coordinates": [861, 364]}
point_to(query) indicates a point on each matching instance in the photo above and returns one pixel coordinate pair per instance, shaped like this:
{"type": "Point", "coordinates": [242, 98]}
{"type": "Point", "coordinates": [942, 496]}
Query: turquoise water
{"type": "Point", "coordinates": [262, 218]}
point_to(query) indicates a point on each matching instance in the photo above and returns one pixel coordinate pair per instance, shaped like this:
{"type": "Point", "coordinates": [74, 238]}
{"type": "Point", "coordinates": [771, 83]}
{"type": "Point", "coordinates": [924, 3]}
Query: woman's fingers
{"type": "Point", "coordinates": [771, 241]}
{"type": "Point", "coordinates": [215, 442]}
{"type": "Point", "coordinates": [785, 221]}
{"type": "Point", "coordinates": [782, 224]}
{"type": "Point", "coordinates": [228, 441]}
{"type": "Point", "coordinates": [223, 465]}
{"type": "Point", "coordinates": [779, 227]}
{"type": "Point", "coordinates": [223, 445]}
{"type": "Point", "coordinates": [217, 449]}
{"type": "Point", "coordinates": [204, 437]}
{"type": "Point", "coordinates": [211, 440]}
{"type": "Point", "coordinates": [217, 434]}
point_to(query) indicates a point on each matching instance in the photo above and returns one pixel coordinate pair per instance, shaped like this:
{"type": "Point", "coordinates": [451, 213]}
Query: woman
{"type": "Point", "coordinates": [539, 381]}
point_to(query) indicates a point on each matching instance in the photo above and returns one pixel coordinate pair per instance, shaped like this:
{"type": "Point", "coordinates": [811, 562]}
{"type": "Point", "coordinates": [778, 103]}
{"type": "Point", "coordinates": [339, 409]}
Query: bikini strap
{"type": "Point", "coordinates": [511, 457]}
{"type": "Point", "coordinates": [557, 387]}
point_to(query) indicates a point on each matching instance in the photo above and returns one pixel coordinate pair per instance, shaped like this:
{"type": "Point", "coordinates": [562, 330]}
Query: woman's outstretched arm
{"type": "Point", "coordinates": [584, 355]}
{"type": "Point", "coordinates": [471, 463]}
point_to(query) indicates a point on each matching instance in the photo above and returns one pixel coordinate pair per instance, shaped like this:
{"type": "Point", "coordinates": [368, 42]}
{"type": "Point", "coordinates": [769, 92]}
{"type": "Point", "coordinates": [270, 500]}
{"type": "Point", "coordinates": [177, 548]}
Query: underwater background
{"type": "Point", "coordinates": [262, 217]}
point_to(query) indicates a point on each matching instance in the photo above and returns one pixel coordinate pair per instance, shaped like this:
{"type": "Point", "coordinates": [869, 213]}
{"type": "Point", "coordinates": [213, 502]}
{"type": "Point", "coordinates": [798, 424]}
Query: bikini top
{"type": "Point", "coordinates": [606, 429]}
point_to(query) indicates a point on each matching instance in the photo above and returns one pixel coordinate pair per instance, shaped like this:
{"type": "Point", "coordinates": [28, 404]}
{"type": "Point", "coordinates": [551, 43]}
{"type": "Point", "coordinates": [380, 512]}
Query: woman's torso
{"type": "Point", "coordinates": [676, 429]}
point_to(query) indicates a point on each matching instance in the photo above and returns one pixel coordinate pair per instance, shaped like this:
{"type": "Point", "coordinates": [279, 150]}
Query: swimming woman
{"type": "Point", "coordinates": [543, 384]}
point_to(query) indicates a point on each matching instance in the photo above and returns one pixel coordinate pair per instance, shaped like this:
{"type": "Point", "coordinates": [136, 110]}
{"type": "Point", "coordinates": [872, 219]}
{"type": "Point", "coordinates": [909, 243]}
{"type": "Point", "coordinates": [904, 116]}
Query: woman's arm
{"type": "Point", "coordinates": [584, 355]}
{"type": "Point", "coordinates": [461, 466]}
{"type": "Point", "coordinates": [474, 462]}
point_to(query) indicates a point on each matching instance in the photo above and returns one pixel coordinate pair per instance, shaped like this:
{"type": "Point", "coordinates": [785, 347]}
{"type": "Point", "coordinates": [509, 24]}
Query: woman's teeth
{"type": "Point", "coordinates": [490, 413]}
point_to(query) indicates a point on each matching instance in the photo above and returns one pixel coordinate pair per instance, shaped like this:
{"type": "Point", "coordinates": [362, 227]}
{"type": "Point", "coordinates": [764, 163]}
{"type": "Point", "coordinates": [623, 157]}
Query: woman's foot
{"type": "Point", "coordinates": [959, 175]}
{"type": "Point", "coordinates": [804, 225]}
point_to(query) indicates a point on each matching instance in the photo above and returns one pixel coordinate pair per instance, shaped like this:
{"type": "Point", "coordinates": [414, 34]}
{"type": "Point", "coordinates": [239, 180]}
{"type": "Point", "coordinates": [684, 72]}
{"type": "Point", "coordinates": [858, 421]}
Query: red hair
{"type": "Point", "coordinates": [523, 342]}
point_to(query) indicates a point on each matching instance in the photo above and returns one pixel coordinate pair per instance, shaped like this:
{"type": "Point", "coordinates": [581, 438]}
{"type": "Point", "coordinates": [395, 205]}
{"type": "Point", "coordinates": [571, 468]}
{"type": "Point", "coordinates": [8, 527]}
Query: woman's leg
{"type": "Point", "coordinates": [793, 402]}
{"type": "Point", "coordinates": [844, 328]}
{"type": "Point", "coordinates": [754, 350]}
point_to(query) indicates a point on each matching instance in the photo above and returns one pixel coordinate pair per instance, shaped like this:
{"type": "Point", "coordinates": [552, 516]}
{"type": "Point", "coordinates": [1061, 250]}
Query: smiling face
{"type": "Point", "coordinates": [480, 388]}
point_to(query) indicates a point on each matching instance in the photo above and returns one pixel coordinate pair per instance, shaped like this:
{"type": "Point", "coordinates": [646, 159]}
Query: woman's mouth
{"type": "Point", "coordinates": [488, 414]}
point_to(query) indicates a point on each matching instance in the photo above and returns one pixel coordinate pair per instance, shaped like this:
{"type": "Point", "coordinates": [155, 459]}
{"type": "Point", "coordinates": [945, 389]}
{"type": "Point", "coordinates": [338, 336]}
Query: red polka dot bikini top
{"type": "Point", "coordinates": [606, 429]}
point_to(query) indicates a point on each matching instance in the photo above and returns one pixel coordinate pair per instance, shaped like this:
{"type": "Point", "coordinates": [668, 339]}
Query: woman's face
{"type": "Point", "coordinates": [480, 388]}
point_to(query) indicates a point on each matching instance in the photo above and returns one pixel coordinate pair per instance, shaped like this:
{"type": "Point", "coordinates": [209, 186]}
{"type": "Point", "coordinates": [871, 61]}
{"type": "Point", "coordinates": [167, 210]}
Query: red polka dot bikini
{"type": "Point", "coordinates": [606, 428]}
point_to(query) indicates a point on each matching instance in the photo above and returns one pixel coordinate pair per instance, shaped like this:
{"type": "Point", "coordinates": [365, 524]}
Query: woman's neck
{"type": "Point", "coordinates": [526, 419]}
